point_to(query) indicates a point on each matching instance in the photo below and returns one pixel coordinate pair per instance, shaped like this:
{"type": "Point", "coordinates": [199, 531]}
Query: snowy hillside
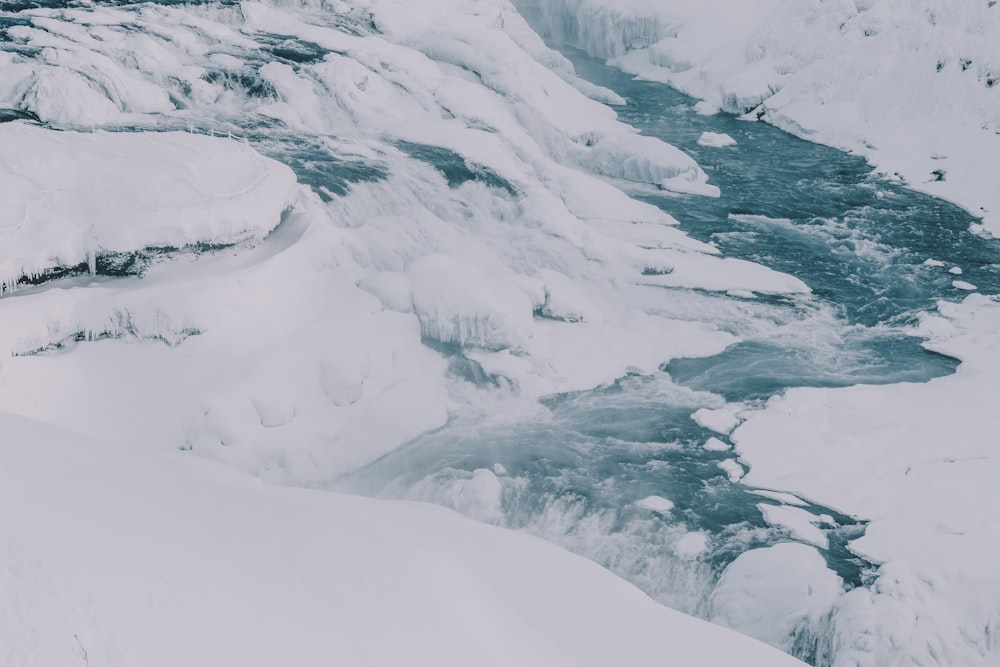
{"type": "Point", "coordinates": [914, 86]}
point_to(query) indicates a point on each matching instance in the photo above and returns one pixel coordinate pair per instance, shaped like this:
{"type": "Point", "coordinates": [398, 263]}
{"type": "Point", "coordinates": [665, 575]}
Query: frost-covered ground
{"type": "Point", "coordinates": [451, 240]}
{"type": "Point", "coordinates": [914, 86]}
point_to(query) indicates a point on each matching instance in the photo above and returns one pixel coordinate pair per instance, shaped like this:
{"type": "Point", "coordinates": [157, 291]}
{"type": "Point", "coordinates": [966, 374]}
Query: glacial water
{"type": "Point", "coordinates": [574, 473]}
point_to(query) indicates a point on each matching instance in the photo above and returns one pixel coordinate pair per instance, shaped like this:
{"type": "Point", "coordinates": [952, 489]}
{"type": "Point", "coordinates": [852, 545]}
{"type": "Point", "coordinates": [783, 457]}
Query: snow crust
{"type": "Point", "coordinates": [912, 86]}
{"type": "Point", "coordinates": [119, 556]}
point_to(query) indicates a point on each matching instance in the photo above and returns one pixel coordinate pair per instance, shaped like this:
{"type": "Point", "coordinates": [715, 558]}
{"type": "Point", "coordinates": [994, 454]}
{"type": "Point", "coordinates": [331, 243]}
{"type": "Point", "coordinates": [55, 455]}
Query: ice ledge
{"type": "Point", "coordinates": [71, 196]}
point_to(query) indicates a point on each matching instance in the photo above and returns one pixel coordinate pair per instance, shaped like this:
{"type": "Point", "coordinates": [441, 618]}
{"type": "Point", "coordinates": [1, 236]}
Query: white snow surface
{"type": "Point", "coordinates": [912, 85]}
{"type": "Point", "coordinates": [114, 555]}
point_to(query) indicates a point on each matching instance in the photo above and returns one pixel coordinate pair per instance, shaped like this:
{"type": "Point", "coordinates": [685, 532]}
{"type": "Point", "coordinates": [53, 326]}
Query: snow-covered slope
{"type": "Point", "coordinates": [914, 86]}
{"type": "Point", "coordinates": [112, 556]}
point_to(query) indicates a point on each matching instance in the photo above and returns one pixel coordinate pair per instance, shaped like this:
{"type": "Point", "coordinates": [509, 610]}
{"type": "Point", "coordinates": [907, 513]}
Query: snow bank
{"type": "Point", "coordinates": [123, 192]}
{"type": "Point", "coordinates": [919, 462]}
{"type": "Point", "coordinates": [912, 86]}
{"type": "Point", "coordinates": [115, 556]}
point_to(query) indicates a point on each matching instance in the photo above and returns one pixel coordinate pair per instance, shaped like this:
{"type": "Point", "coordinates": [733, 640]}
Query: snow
{"type": "Point", "coordinates": [116, 555]}
{"type": "Point", "coordinates": [918, 462]}
{"type": "Point", "coordinates": [327, 338]}
{"type": "Point", "coordinates": [910, 85]}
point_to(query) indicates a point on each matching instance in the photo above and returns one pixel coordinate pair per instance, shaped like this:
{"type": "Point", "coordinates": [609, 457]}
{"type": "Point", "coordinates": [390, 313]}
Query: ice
{"type": "Point", "coordinates": [934, 263]}
{"type": "Point", "coordinates": [716, 445]}
{"type": "Point", "coordinates": [733, 469]}
{"type": "Point", "coordinates": [955, 270]}
{"type": "Point", "coordinates": [58, 213]}
{"type": "Point", "coordinates": [800, 523]}
{"type": "Point", "coordinates": [720, 420]}
{"type": "Point", "coordinates": [109, 546]}
{"type": "Point", "coordinates": [458, 303]}
{"type": "Point", "coordinates": [912, 86]}
{"type": "Point", "coordinates": [635, 157]}
{"type": "Point", "coordinates": [780, 594]}
{"type": "Point", "coordinates": [656, 504]}
{"type": "Point", "coordinates": [963, 285]}
{"type": "Point", "coordinates": [716, 140]}
{"type": "Point", "coordinates": [305, 358]}
{"type": "Point", "coordinates": [783, 498]}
